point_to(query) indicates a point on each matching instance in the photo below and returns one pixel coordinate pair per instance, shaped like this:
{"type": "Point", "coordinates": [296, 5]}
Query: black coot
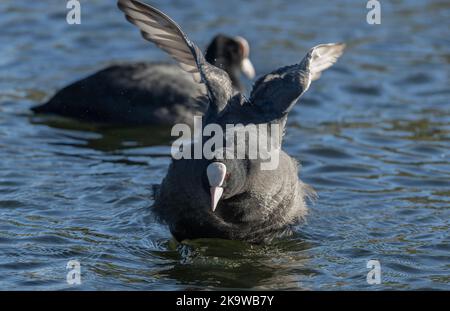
{"type": "Point", "coordinates": [232, 198]}
{"type": "Point", "coordinates": [147, 93]}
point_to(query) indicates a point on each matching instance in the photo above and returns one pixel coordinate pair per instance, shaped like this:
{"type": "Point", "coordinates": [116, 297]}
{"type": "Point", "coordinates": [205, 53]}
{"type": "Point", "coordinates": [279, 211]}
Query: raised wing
{"type": "Point", "coordinates": [323, 57]}
{"type": "Point", "coordinates": [276, 93]}
{"type": "Point", "coordinates": [157, 27]}
{"type": "Point", "coordinates": [160, 29]}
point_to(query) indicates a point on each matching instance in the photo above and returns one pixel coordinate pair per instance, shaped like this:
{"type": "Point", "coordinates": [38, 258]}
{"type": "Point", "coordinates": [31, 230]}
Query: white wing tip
{"type": "Point", "coordinates": [323, 56]}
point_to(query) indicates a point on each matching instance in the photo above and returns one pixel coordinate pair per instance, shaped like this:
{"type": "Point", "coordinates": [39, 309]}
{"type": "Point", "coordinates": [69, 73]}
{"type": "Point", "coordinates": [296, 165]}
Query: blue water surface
{"type": "Point", "coordinates": [373, 137]}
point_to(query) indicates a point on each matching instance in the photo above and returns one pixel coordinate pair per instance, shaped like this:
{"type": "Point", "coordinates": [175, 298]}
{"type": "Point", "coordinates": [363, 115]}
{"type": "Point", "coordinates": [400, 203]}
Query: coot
{"type": "Point", "coordinates": [148, 93]}
{"type": "Point", "coordinates": [232, 197]}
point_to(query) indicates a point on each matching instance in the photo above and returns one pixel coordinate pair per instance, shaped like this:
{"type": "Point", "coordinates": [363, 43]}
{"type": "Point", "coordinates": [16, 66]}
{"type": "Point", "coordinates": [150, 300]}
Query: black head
{"type": "Point", "coordinates": [229, 175]}
{"type": "Point", "coordinates": [232, 55]}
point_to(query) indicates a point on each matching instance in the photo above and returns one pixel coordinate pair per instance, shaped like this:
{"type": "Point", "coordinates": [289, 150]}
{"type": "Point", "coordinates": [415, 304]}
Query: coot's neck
{"type": "Point", "coordinates": [232, 71]}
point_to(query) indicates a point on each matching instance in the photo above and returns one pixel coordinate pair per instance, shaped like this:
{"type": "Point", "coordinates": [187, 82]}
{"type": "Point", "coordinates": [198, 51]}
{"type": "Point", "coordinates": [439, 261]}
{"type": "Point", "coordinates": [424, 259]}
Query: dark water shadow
{"type": "Point", "coordinates": [107, 137]}
{"type": "Point", "coordinates": [223, 264]}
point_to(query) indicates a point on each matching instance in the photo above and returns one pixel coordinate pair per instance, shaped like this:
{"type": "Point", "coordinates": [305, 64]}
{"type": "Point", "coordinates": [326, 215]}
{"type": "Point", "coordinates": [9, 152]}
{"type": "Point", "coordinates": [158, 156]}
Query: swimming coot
{"type": "Point", "coordinates": [148, 93]}
{"type": "Point", "coordinates": [232, 198]}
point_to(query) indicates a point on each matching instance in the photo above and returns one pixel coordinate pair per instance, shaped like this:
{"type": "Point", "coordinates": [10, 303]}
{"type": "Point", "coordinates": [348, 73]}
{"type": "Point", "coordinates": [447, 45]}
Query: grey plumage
{"type": "Point", "coordinates": [130, 94]}
{"type": "Point", "coordinates": [276, 93]}
{"type": "Point", "coordinates": [160, 29]}
{"type": "Point", "coordinates": [256, 205]}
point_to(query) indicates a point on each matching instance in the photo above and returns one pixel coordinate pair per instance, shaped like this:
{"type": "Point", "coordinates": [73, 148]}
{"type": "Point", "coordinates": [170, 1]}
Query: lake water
{"type": "Point", "coordinates": [373, 136]}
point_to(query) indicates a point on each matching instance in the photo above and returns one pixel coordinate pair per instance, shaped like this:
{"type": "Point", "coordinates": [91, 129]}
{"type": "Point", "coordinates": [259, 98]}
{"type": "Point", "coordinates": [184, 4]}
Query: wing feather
{"type": "Point", "coordinates": [160, 29]}
{"type": "Point", "coordinates": [323, 57]}
{"type": "Point", "coordinates": [276, 93]}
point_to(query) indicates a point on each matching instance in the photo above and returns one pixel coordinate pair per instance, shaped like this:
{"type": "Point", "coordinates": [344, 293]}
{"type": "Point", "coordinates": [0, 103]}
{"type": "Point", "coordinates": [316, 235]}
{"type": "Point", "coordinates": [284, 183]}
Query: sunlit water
{"type": "Point", "coordinates": [373, 135]}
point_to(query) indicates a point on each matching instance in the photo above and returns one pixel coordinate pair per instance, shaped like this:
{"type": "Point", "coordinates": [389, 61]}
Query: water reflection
{"type": "Point", "coordinates": [221, 264]}
{"type": "Point", "coordinates": [107, 138]}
